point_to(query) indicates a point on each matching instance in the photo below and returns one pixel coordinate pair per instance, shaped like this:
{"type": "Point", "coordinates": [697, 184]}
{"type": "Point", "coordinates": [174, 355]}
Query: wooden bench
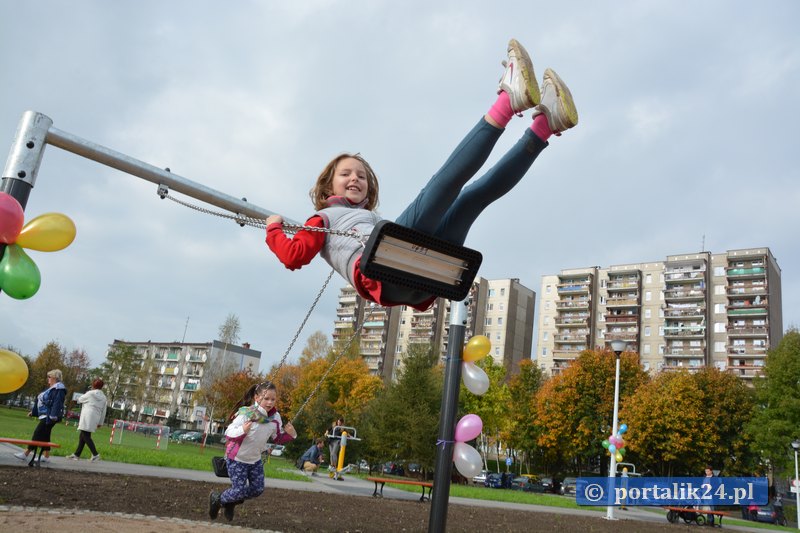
{"type": "Point", "coordinates": [384, 480]}
{"type": "Point", "coordinates": [37, 444]}
{"type": "Point", "coordinates": [693, 514]}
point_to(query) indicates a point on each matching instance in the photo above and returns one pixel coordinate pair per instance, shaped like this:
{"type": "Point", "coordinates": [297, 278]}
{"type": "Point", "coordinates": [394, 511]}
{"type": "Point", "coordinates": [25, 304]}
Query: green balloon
{"type": "Point", "coordinates": [19, 275]}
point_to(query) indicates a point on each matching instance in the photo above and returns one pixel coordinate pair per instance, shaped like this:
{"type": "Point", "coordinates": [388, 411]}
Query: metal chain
{"type": "Point", "coordinates": [243, 220]}
{"type": "Point", "coordinates": [328, 371]}
{"type": "Point", "coordinates": [302, 325]}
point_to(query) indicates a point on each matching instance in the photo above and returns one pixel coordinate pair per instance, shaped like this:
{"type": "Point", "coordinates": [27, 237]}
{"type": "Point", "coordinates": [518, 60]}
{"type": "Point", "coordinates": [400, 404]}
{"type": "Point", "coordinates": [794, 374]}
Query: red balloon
{"type": "Point", "coordinates": [11, 218]}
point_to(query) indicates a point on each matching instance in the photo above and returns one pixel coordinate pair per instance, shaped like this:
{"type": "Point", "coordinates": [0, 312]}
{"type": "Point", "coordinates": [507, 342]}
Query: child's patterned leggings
{"type": "Point", "coordinates": [247, 481]}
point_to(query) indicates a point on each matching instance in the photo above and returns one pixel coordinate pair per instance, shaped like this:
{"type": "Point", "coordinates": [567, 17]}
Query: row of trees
{"type": "Point", "coordinates": [679, 421]}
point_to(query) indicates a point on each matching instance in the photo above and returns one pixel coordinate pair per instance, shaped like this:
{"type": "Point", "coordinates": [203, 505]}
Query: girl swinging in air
{"type": "Point", "coordinates": [346, 192]}
{"type": "Point", "coordinates": [255, 421]}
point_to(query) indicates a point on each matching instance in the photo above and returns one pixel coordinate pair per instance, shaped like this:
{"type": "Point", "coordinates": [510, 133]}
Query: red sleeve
{"type": "Point", "coordinates": [300, 249]}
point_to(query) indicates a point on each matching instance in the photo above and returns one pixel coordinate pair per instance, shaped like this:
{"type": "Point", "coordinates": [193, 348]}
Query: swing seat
{"type": "Point", "coordinates": [415, 260]}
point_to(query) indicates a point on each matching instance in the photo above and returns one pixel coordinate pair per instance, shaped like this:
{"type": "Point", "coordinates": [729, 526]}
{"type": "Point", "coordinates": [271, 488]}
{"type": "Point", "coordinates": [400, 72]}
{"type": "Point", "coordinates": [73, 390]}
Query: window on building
{"type": "Point", "coordinates": [719, 271]}
{"type": "Point", "coordinates": [497, 350]}
{"type": "Point", "coordinates": [499, 321]}
{"type": "Point", "coordinates": [491, 293]}
{"type": "Point", "coordinates": [719, 290]}
{"type": "Point", "coordinates": [719, 309]}
{"type": "Point", "coordinates": [502, 306]}
{"type": "Point", "coordinates": [545, 335]}
{"type": "Point", "coordinates": [546, 321]}
{"type": "Point", "coordinates": [648, 296]}
{"type": "Point", "coordinates": [660, 312]}
{"type": "Point", "coordinates": [490, 307]}
{"type": "Point", "coordinates": [497, 336]}
{"type": "Point", "coordinates": [647, 331]}
{"type": "Point", "coordinates": [502, 292]}
{"type": "Point", "coordinates": [648, 279]}
{"type": "Point", "coordinates": [646, 366]}
{"type": "Point", "coordinates": [547, 305]}
{"type": "Point", "coordinates": [662, 349]}
{"type": "Point", "coordinates": [547, 288]}
{"type": "Point", "coordinates": [719, 327]}
{"type": "Point", "coordinates": [660, 331]}
{"type": "Point", "coordinates": [602, 300]}
{"type": "Point", "coordinates": [488, 321]}
{"type": "Point", "coordinates": [648, 313]}
{"type": "Point", "coordinates": [602, 284]}
{"type": "Point", "coordinates": [646, 349]}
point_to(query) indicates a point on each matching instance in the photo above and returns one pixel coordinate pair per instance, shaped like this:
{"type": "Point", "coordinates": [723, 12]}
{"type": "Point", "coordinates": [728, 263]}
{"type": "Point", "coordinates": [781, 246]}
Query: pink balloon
{"type": "Point", "coordinates": [11, 218]}
{"type": "Point", "coordinates": [468, 428]}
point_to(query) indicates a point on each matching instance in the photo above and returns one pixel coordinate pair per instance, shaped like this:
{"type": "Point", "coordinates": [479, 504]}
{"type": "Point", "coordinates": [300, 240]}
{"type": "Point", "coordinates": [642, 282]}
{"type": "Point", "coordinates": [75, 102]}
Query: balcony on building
{"type": "Point", "coordinates": [696, 291]}
{"type": "Point", "coordinates": [747, 330]}
{"type": "Point", "coordinates": [673, 364]}
{"type": "Point", "coordinates": [621, 301]}
{"type": "Point", "coordinates": [573, 303]}
{"type": "Point", "coordinates": [572, 320]}
{"type": "Point", "coordinates": [746, 269]}
{"type": "Point", "coordinates": [690, 310]}
{"type": "Point", "coordinates": [572, 338]}
{"type": "Point", "coordinates": [197, 357]}
{"type": "Point", "coordinates": [629, 317]}
{"type": "Point", "coordinates": [685, 331]}
{"type": "Point", "coordinates": [684, 274]}
{"type": "Point", "coordinates": [629, 336]}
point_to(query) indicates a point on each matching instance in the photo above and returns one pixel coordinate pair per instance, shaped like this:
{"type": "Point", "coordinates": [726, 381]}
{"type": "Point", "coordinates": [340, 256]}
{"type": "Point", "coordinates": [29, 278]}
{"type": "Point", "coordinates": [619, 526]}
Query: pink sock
{"type": "Point", "coordinates": [501, 111]}
{"type": "Point", "coordinates": [540, 127]}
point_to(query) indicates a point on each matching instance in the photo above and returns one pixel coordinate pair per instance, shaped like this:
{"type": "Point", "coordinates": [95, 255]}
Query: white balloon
{"type": "Point", "coordinates": [475, 379]}
{"type": "Point", "coordinates": [467, 459]}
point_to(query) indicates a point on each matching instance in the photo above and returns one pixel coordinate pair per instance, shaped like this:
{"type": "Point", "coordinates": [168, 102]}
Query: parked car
{"type": "Point", "coordinates": [480, 479]}
{"type": "Point", "coordinates": [191, 436]}
{"type": "Point", "coordinates": [413, 468]}
{"type": "Point", "coordinates": [393, 468]}
{"type": "Point", "coordinates": [548, 484]}
{"type": "Point", "coordinates": [176, 434]}
{"type": "Point", "coordinates": [568, 485]}
{"type": "Point", "coordinates": [770, 513]}
{"type": "Point", "coordinates": [527, 484]}
{"type": "Point", "coordinates": [493, 481]}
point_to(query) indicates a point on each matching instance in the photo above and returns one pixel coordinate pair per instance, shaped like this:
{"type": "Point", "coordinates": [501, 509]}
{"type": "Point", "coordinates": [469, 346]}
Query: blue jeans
{"type": "Point", "coordinates": [445, 208]}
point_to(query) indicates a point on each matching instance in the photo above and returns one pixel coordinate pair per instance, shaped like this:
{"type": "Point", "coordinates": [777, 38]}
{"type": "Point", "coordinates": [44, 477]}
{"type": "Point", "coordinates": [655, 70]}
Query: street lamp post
{"type": "Point", "coordinates": [796, 448]}
{"type": "Point", "coordinates": [617, 346]}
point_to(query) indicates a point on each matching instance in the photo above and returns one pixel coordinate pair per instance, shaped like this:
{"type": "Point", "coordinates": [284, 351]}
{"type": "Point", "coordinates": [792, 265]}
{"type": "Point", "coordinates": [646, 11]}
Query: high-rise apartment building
{"type": "Point", "coordinates": [172, 373]}
{"type": "Point", "coordinates": [500, 309]}
{"type": "Point", "coordinates": [688, 311]}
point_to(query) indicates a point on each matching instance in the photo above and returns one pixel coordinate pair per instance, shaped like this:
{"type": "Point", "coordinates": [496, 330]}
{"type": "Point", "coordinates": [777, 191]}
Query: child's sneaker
{"type": "Point", "coordinates": [557, 104]}
{"type": "Point", "coordinates": [95, 457]}
{"type": "Point", "coordinates": [72, 456]}
{"type": "Point", "coordinates": [44, 459]}
{"type": "Point", "coordinates": [21, 456]}
{"type": "Point", "coordinates": [519, 80]}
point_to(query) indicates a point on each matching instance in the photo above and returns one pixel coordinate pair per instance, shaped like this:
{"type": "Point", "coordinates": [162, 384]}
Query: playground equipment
{"type": "Point", "coordinates": [345, 433]}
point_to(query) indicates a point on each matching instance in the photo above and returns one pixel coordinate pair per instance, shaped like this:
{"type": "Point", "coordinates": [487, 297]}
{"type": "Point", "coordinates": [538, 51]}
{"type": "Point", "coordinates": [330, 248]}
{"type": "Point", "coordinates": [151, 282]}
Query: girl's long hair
{"type": "Point", "coordinates": [249, 397]}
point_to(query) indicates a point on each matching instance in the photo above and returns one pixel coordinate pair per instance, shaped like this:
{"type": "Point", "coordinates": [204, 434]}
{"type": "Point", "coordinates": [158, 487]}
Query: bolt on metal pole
{"type": "Point", "coordinates": [447, 418]}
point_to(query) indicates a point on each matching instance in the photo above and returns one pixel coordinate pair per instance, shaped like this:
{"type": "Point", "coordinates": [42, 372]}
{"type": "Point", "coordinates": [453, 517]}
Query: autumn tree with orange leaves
{"type": "Point", "coordinates": [574, 410]}
{"type": "Point", "coordinates": [681, 421]}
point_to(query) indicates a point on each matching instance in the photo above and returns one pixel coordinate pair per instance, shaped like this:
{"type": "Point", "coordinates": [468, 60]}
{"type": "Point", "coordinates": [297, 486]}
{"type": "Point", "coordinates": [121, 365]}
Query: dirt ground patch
{"type": "Point", "coordinates": [279, 510]}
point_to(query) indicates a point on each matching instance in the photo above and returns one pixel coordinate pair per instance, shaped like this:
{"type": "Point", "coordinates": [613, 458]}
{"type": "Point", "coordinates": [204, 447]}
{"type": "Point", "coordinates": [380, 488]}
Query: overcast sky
{"type": "Point", "coordinates": [687, 141]}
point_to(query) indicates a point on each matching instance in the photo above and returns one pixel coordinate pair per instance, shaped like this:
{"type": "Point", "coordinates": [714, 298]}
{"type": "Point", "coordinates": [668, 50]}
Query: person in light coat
{"type": "Point", "coordinates": [93, 413]}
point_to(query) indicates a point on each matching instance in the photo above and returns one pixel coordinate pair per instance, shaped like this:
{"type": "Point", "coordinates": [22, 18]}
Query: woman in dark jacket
{"type": "Point", "coordinates": [49, 409]}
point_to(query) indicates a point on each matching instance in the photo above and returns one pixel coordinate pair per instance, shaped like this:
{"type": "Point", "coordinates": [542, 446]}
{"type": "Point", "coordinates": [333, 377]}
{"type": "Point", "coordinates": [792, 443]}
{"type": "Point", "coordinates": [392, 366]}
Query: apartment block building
{"type": "Point", "coordinates": [501, 309]}
{"type": "Point", "coordinates": [689, 311]}
{"type": "Point", "coordinates": [173, 374]}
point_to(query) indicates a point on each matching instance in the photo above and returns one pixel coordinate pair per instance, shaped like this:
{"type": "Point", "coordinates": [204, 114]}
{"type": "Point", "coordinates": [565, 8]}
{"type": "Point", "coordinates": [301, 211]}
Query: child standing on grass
{"type": "Point", "coordinates": [346, 192]}
{"type": "Point", "coordinates": [255, 421]}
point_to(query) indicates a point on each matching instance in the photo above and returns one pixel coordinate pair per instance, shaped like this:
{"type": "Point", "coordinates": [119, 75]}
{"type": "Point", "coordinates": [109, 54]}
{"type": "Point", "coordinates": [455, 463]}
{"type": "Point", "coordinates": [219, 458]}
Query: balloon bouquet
{"type": "Point", "coordinates": [467, 459]}
{"type": "Point", "coordinates": [615, 444]}
{"type": "Point", "coordinates": [19, 275]}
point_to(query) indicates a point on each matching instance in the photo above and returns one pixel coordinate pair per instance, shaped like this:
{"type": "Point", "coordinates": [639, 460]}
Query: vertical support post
{"type": "Point", "coordinates": [797, 487]}
{"type": "Point", "coordinates": [447, 418]}
{"type": "Point", "coordinates": [612, 467]}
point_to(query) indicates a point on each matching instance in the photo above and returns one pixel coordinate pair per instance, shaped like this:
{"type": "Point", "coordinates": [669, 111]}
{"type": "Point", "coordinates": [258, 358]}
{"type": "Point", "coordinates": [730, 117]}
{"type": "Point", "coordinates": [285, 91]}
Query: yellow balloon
{"type": "Point", "coordinates": [13, 371]}
{"type": "Point", "coordinates": [49, 232]}
{"type": "Point", "coordinates": [477, 348]}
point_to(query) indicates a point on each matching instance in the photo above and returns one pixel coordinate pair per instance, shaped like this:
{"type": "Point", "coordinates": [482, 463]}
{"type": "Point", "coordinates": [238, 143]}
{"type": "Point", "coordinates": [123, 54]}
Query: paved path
{"type": "Point", "coordinates": [322, 483]}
